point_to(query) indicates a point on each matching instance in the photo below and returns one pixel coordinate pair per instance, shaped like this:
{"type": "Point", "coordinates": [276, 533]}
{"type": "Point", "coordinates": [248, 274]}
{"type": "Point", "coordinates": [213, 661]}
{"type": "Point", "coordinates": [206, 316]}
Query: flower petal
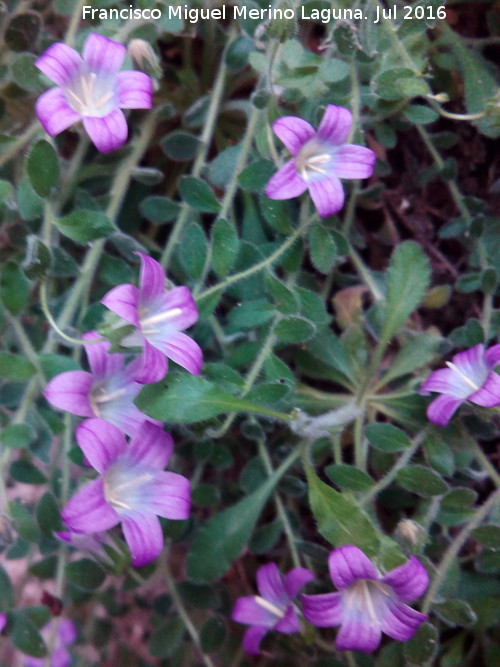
{"type": "Point", "coordinates": [169, 496]}
{"type": "Point", "coordinates": [472, 363]}
{"type": "Point", "coordinates": [177, 308]}
{"type": "Point", "coordinates": [144, 537]}
{"type": "Point", "coordinates": [88, 511]}
{"type": "Point", "coordinates": [347, 564]}
{"type": "Point", "coordinates": [270, 585]}
{"type": "Point", "coordinates": [358, 632]}
{"type": "Point", "coordinates": [335, 125]}
{"type": "Point", "coordinates": [293, 132]}
{"type": "Point", "coordinates": [101, 363]}
{"type": "Point", "coordinates": [54, 112]}
{"type": "Point", "coordinates": [492, 356]}
{"type": "Point", "coordinates": [442, 409]}
{"type": "Point", "coordinates": [151, 279]}
{"type": "Point", "coordinates": [253, 637]}
{"type": "Point", "coordinates": [289, 623]}
{"type": "Point", "coordinates": [102, 54]}
{"type": "Point", "coordinates": [353, 161]}
{"type": "Point", "coordinates": [153, 365]}
{"type": "Point", "coordinates": [323, 611]}
{"type": "Point", "coordinates": [183, 350]}
{"type": "Point", "coordinates": [124, 302]}
{"type": "Point", "coordinates": [151, 447]}
{"type": "Point", "coordinates": [60, 63]}
{"type": "Point", "coordinates": [67, 631]}
{"type": "Point", "coordinates": [286, 183]}
{"type": "Point", "coordinates": [101, 442]}
{"type": "Point", "coordinates": [248, 610]}
{"type": "Point", "coordinates": [447, 381]}
{"type": "Point", "coordinates": [70, 391]}
{"type": "Point", "coordinates": [107, 132]}
{"type": "Point", "coordinates": [125, 415]}
{"type": "Point", "coordinates": [399, 621]}
{"type": "Point", "coordinates": [408, 581]}
{"type": "Point", "coordinates": [327, 195]}
{"type": "Point", "coordinates": [489, 394]}
{"type": "Point", "coordinates": [134, 90]}
{"type": "Point", "coordinates": [296, 579]}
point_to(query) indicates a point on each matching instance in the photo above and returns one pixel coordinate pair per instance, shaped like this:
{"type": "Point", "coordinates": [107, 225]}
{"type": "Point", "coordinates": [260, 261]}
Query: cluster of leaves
{"type": "Point", "coordinates": [305, 431]}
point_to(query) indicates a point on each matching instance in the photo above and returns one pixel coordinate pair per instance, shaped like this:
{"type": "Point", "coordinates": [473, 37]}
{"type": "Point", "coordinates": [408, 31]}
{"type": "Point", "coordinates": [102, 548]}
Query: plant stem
{"type": "Point", "coordinates": [264, 455]}
{"type": "Point", "coordinates": [181, 610]}
{"type": "Point", "coordinates": [454, 548]}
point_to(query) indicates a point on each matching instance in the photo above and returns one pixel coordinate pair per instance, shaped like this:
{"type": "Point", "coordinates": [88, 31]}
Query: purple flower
{"type": "Point", "coordinates": [273, 608]}
{"type": "Point", "coordinates": [320, 158]}
{"type": "Point", "coordinates": [91, 89]}
{"type": "Point", "coordinates": [91, 544]}
{"type": "Point", "coordinates": [469, 377]}
{"type": "Point", "coordinates": [60, 657]}
{"type": "Point", "coordinates": [107, 392]}
{"type": "Point", "coordinates": [132, 488]}
{"type": "Point", "coordinates": [3, 621]}
{"type": "Point", "coordinates": [159, 315]}
{"type": "Point", "coordinates": [367, 604]}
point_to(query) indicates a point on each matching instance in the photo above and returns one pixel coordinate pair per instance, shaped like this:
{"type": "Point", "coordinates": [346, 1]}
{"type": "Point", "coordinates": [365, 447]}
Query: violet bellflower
{"type": "Point", "coordinates": [367, 603]}
{"type": "Point", "coordinates": [159, 316]}
{"type": "Point", "coordinates": [65, 636]}
{"type": "Point", "coordinates": [132, 488]}
{"type": "Point", "coordinates": [320, 158]}
{"type": "Point", "coordinates": [91, 89]}
{"type": "Point", "coordinates": [273, 608]}
{"type": "Point", "coordinates": [107, 392]}
{"type": "Point", "coordinates": [470, 376]}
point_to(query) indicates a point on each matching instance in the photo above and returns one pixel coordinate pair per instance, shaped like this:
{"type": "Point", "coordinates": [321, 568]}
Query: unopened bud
{"type": "Point", "coordinates": [144, 57]}
{"type": "Point", "coordinates": [410, 535]}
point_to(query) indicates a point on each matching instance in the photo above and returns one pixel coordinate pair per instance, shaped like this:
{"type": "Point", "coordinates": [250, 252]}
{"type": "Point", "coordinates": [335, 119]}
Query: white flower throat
{"type": "Point", "coordinates": [91, 94]}
{"type": "Point", "coordinates": [312, 160]}
{"type": "Point", "coordinates": [464, 377]}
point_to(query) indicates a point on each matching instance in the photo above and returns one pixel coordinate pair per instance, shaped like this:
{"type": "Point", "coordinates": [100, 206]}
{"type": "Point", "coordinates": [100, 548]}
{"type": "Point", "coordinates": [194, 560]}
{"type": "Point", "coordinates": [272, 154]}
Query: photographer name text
{"type": "Point", "coordinates": [195, 14]}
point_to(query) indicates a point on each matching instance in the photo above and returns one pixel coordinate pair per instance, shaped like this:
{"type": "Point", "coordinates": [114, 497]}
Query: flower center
{"type": "Point", "coordinates": [155, 319]}
{"type": "Point", "coordinates": [361, 594]}
{"type": "Point", "coordinates": [122, 487]}
{"type": "Point", "coordinates": [312, 160]}
{"type": "Point", "coordinates": [269, 606]}
{"type": "Point", "coordinates": [100, 395]}
{"type": "Point", "coordinates": [90, 95]}
{"type": "Point", "coordinates": [464, 377]}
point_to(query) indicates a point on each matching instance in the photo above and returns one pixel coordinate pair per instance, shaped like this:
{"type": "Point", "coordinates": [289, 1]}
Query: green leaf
{"type": "Point", "coordinates": [322, 249]}
{"type": "Point", "coordinates": [14, 367]}
{"type": "Point", "coordinates": [159, 209]}
{"type": "Point", "coordinates": [225, 245]}
{"type": "Point", "coordinates": [185, 399]}
{"type": "Point", "coordinates": [408, 277]}
{"type": "Point", "coordinates": [7, 597]}
{"type": "Point", "coordinates": [340, 520]}
{"type": "Point", "coordinates": [198, 195]}
{"type": "Point", "coordinates": [349, 477]}
{"type": "Point", "coordinates": [224, 536]}
{"type": "Point", "coordinates": [420, 114]}
{"type": "Point", "coordinates": [25, 636]}
{"type": "Point", "coordinates": [180, 145]}
{"type": "Point", "coordinates": [37, 260]}
{"type": "Point", "coordinates": [285, 299]}
{"type": "Point", "coordinates": [399, 83]}
{"type": "Point", "coordinates": [256, 175]}
{"type": "Point", "coordinates": [421, 480]}
{"type": "Point", "coordinates": [25, 74]}
{"type": "Point", "coordinates": [53, 364]}
{"type": "Point", "coordinates": [212, 634]}
{"type": "Point", "coordinates": [27, 473]}
{"type": "Point", "coordinates": [17, 435]}
{"type": "Point", "coordinates": [43, 168]}
{"type": "Point", "coordinates": [201, 596]}
{"type": "Point", "coordinates": [416, 353]}
{"type": "Point", "coordinates": [166, 637]}
{"type": "Point", "coordinates": [85, 226]}
{"type": "Point", "coordinates": [24, 522]}
{"type": "Point", "coordinates": [14, 288]}
{"type": "Point", "coordinates": [85, 574]}
{"type": "Point", "coordinates": [294, 330]}
{"type": "Point", "coordinates": [387, 438]}
{"type": "Point", "coordinates": [488, 536]}
{"type": "Point", "coordinates": [455, 612]}
{"type": "Point", "coordinates": [48, 515]}
{"type": "Point", "coordinates": [222, 168]}
{"type": "Point", "coordinates": [193, 250]}
{"type": "Point", "coordinates": [423, 646]}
